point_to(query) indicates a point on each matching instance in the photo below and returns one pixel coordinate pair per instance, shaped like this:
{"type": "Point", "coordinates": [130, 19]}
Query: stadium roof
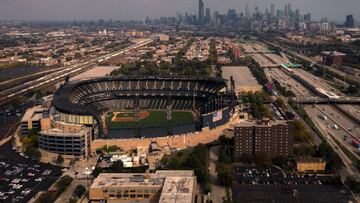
{"type": "Point", "coordinates": [63, 98]}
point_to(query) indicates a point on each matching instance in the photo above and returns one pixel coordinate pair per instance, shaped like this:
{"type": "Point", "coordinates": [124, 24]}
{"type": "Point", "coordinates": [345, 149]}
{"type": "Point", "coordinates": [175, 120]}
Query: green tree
{"type": "Point", "coordinates": [116, 166]}
{"type": "Point", "coordinates": [63, 183]}
{"type": "Point", "coordinates": [224, 168]}
{"type": "Point", "coordinates": [79, 191]}
{"type": "Point", "coordinates": [32, 152]}
{"type": "Point", "coordinates": [59, 159]}
{"type": "Point", "coordinates": [353, 184]}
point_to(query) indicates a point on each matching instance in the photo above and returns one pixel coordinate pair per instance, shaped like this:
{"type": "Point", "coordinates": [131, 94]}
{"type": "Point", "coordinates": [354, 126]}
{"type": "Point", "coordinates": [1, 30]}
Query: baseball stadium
{"type": "Point", "coordinates": [144, 107]}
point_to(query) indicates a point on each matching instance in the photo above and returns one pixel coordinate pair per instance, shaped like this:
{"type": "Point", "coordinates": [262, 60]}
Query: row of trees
{"type": "Point", "coordinates": [224, 167]}
{"type": "Point", "coordinates": [51, 196]}
{"type": "Point", "coordinates": [282, 90]}
{"type": "Point", "coordinates": [192, 159]}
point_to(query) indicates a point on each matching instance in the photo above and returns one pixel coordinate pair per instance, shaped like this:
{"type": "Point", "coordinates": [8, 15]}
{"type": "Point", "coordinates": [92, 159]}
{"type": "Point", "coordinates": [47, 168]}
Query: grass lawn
{"type": "Point", "coordinates": [155, 119]}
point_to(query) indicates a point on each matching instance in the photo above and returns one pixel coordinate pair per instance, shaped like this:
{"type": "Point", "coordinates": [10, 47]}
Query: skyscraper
{"type": "Point", "coordinates": [272, 11]}
{"type": "Point", "coordinates": [201, 12]}
{"type": "Point", "coordinates": [207, 15]}
{"type": "Point", "coordinates": [247, 13]}
{"type": "Point", "coordinates": [350, 21]}
{"type": "Point", "coordinates": [297, 19]}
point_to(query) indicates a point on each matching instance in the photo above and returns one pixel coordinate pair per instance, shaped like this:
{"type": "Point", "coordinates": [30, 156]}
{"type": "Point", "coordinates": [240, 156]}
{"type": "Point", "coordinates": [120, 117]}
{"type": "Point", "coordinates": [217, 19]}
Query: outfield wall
{"type": "Point", "coordinates": [126, 133]}
{"type": "Point", "coordinates": [176, 141]}
{"type": "Point", "coordinates": [212, 120]}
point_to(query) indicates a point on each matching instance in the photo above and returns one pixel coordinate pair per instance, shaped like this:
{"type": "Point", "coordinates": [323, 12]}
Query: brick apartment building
{"type": "Point", "coordinates": [264, 136]}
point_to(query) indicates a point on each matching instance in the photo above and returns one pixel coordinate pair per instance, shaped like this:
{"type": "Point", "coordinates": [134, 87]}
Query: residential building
{"type": "Point", "coordinates": [263, 136]}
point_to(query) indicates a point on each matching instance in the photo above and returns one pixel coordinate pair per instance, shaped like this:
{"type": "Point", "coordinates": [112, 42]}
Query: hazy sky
{"type": "Point", "coordinates": [138, 9]}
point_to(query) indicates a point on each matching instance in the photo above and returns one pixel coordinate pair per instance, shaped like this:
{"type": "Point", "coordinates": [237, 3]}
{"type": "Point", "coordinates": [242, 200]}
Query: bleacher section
{"type": "Point", "coordinates": [202, 95]}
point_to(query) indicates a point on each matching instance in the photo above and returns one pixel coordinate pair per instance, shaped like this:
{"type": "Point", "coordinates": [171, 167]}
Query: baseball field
{"type": "Point", "coordinates": [147, 119]}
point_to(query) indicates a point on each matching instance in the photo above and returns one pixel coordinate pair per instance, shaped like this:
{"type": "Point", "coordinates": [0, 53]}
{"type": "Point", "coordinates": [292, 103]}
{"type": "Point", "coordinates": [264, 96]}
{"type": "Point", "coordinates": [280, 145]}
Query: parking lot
{"type": "Point", "coordinates": [261, 184]}
{"type": "Point", "coordinates": [22, 178]}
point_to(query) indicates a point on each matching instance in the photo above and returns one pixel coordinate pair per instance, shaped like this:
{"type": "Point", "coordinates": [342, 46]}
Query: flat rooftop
{"type": "Point", "coordinates": [178, 189]}
{"type": "Point", "coordinates": [118, 180]}
{"type": "Point", "coordinates": [157, 179]}
{"type": "Point", "coordinates": [34, 114]}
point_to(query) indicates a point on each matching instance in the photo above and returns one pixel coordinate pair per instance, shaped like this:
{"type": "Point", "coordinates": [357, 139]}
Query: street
{"type": "Point", "coordinates": [217, 192]}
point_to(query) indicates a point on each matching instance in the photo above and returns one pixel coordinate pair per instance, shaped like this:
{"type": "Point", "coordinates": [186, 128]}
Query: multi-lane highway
{"type": "Point", "coordinates": [345, 128]}
{"type": "Point", "coordinates": [331, 122]}
{"type": "Point", "coordinates": [330, 134]}
{"type": "Point", "coordinates": [312, 61]}
{"type": "Point", "coordinates": [9, 94]}
{"type": "Point", "coordinates": [289, 82]}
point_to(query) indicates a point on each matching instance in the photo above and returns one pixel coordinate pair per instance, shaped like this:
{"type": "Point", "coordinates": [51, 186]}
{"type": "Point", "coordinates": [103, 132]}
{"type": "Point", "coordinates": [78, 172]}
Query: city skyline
{"type": "Point", "coordinates": [139, 9]}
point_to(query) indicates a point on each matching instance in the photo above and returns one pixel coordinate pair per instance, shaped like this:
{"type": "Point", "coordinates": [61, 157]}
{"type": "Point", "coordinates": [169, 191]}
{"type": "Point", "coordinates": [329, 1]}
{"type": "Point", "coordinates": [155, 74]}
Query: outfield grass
{"type": "Point", "coordinates": [155, 119]}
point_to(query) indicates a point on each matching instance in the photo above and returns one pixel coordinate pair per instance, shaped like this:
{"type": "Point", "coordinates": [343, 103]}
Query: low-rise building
{"type": "Point", "coordinates": [162, 186]}
{"type": "Point", "coordinates": [304, 164]}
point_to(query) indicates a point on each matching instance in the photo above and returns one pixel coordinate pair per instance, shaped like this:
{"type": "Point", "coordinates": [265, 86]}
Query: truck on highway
{"type": "Point", "coordinates": [336, 127]}
{"type": "Point", "coordinates": [356, 143]}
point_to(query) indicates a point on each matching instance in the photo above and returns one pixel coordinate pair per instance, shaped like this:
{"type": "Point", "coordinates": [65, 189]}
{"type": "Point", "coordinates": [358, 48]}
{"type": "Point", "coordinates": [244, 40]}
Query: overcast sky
{"type": "Point", "coordinates": [138, 9]}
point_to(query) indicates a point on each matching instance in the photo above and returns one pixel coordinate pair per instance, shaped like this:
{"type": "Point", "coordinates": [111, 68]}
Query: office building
{"type": "Point", "coordinates": [272, 10]}
{"type": "Point", "coordinates": [350, 22]}
{"type": "Point", "coordinates": [162, 186]}
{"type": "Point", "coordinates": [207, 15]}
{"type": "Point", "coordinates": [247, 12]}
{"type": "Point", "coordinates": [201, 13]}
{"type": "Point", "coordinates": [264, 136]}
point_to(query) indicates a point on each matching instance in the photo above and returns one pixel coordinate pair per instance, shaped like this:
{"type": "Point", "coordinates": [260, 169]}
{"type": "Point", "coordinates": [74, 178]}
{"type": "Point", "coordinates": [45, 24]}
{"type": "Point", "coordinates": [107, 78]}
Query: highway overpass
{"type": "Point", "coordinates": [319, 100]}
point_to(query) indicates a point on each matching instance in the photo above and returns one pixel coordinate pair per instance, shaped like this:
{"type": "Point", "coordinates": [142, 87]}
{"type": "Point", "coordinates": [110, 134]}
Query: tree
{"type": "Point", "coordinates": [32, 152]}
{"type": "Point", "coordinates": [59, 160]}
{"type": "Point", "coordinates": [79, 191]}
{"type": "Point", "coordinates": [224, 168]}
{"type": "Point", "coordinates": [117, 166]}
{"type": "Point", "coordinates": [63, 183]}
{"type": "Point", "coordinates": [353, 184]}
{"type": "Point", "coordinates": [333, 160]}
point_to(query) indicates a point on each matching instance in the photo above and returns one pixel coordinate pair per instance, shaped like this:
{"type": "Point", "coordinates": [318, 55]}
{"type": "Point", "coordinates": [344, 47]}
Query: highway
{"type": "Point", "coordinates": [347, 129]}
{"type": "Point", "coordinates": [289, 82]}
{"type": "Point", "coordinates": [353, 110]}
{"type": "Point", "coordinates": [13, 92]}
{"type": "Point", "coordinates": [329, 133]}
{"type": "Point", "coordinates": [320, 66]}
{"type": "Point", "coordinates": [337, 125]}
{"type": "Point", "coordinates": [317, 82]}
